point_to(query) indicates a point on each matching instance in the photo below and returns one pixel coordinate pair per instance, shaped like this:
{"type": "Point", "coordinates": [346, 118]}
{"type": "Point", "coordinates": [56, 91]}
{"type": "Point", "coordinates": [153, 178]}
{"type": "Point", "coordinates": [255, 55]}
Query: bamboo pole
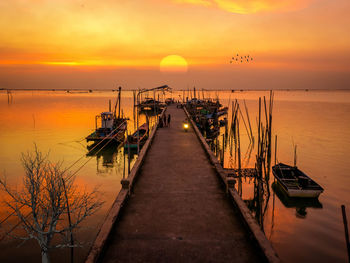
{"type": "Point", "coordinates": [250, 127]}
{"type": "Point", "coordinates": [275, 149]}
{"type": "Point", "coordinates": [245, 125]}
{"type": "Point", "coordinates": [259, 127]}
{"type": "Point", "coordinates": [223, 151]}
{"type": "Point", "coordinates": [124, 164]}
{"type": "Point", "coordinates": [128, 158]}
{"type": "Point", "coordinates": [239, 151]}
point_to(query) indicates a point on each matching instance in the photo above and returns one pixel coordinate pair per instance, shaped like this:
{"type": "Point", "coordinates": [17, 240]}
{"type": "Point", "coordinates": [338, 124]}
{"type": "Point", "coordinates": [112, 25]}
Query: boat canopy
{"type": "Point", "coordinates": [107, 119]}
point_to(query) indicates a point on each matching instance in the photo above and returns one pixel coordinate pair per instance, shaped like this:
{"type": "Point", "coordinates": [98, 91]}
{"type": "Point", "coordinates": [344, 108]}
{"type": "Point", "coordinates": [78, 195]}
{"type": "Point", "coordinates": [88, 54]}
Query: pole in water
{"type": "Point", "coordinates": [128, 157]}
{"type": "Point", "coordinates": [275, 149]}
{"type": "Point", "coordinates": [124, 165]}
{"type": "Point", "coordinates": [295, 156]}
{"type": "Point", "coordinates": [223, 151]}
{"type": "Point", "coordinates": [345, 221]}
{"type": "Point", "coordinates": [110, 107]}
{"type": "Point", "coordinates": [119, 95]}
{"type": "Point", "coordinates": [137, 124]}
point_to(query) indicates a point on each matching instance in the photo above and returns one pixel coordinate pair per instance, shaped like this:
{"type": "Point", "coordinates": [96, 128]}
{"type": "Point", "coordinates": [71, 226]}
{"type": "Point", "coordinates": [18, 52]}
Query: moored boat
{"type": "Point", "coordinates": [113, 126]}
{"type": "Point", "coordinates": [141, 133]}
{"type": "Point", "coordinates": [149, 104]}
{"type": "Point", "coordinates": [294, 182]}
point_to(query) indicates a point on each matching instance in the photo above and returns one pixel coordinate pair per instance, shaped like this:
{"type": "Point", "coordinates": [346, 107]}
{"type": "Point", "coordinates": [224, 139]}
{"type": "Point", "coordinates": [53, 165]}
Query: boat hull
{"type": "Point", "coordinates": [296, 183]}
{"type": "Point", "coordinates": [300, 193]}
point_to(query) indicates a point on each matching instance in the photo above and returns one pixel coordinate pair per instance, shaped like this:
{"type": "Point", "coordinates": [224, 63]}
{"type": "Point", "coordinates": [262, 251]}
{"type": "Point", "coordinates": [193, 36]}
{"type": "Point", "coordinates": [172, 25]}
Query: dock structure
{"type": "Point", "coordinates": [178, 209]}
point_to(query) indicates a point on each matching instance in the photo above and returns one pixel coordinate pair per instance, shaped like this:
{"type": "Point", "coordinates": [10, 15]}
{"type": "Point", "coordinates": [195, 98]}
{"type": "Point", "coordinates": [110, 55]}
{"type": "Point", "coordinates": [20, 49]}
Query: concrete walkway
{"type": "Point", "coordinates": [178, 211]}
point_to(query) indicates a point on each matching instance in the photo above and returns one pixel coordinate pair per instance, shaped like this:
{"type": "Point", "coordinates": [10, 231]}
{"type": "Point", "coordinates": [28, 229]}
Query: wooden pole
{"type": "Point", "coordinates": [239, 151]}
{"type": "Point", "coordinates": [295, 156]}
{"type": "Point", "coordinates": [259, 127]}
{"type": "Point", "coordinates": [128, 158]}
{"type": "Point", "coordinates": [70, 222]}
{"type": "Point", "coordinates": [135, 108]}
{"type": "Point", "coordinates": [137, 124]}
{"type": "Point", "coordinates": [124, 164]}
{"type": "Point", "coordinates": [275, 149]}
{"type": "Point", "coordinates": [223, 151]}
{"type": "Point", "coordinates": [250, 127]}
{"type": "Point", "coordinates": [119, 95]}
{"type": "Point", "coordinates": [345, 221]}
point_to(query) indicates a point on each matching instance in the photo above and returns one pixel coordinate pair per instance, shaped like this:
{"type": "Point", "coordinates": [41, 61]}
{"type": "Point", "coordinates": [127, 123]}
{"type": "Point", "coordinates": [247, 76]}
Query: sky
{"type": "Point", "coordinates": [101, 44]}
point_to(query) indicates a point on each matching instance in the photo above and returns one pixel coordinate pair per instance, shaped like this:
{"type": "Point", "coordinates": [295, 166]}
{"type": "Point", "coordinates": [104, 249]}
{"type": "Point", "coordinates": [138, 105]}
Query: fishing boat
{"type": "Point", "coordinates": [141, 133]}
{"type": "Point", "coordinates": [294, 182]}
{"type": "Point", "coordinates": [149, 104]}
{"type": "Point", "coordinates": [169, 101]}
{"type": "Point", "coordinates": [113, 126]}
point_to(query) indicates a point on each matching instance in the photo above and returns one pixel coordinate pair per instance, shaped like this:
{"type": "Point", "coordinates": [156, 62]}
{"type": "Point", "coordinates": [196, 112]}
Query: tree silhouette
{"type": "Point", "coordinates": [47, 199]}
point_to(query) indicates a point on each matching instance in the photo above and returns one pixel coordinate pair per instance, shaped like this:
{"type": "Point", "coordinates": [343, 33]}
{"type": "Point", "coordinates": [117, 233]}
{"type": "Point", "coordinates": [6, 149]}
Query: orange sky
{"type": "Point", "coordinates": [65, 38]}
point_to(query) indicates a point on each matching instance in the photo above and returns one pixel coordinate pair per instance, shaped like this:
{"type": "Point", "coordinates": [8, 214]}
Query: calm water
{"type": "Point", "coordinates": [318, 122]}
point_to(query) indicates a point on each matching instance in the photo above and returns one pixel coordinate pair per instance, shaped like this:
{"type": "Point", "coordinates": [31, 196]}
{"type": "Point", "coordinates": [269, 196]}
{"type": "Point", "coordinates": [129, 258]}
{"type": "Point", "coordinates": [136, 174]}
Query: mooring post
{"type": "Point", "coordinates": [125, 182]}
{"type": "Point", "coordinates": [275, 149]}
{"type": "Point", "coordinates": [223, 151]}
{"type": "Point", "coordinates": [345, 221]}
{"type": "Point", "coordinates": [128, 157]}
{"type": "Point", "coordinates": [124, 165]}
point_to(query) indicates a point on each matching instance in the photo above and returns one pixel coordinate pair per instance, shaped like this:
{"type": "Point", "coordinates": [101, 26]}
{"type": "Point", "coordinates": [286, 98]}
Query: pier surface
{"type": "Point", "coordinates": [178, 211]}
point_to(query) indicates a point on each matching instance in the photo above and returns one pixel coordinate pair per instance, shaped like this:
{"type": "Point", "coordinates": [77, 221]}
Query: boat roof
{"type": "Point", "coordinates": [106, 113]}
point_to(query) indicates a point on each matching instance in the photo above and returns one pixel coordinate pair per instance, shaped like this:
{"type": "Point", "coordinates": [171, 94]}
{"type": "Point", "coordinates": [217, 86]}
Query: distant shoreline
{"type": "Point", "coordinates": [115, 90]}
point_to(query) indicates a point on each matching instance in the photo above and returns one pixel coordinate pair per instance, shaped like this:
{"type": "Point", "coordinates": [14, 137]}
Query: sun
{"type": "Point", "coordinates": [173, 64]}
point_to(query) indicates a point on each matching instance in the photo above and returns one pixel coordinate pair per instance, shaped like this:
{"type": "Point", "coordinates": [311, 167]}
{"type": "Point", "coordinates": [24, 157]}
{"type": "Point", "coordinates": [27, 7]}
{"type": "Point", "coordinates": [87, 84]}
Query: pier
{"type": "Point", "coordinates": [177, 206]}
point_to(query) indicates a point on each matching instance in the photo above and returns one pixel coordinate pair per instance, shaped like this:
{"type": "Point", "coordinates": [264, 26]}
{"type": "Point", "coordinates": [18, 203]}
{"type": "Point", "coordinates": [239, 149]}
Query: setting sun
{"type": "Point", "coordinates": [173, 63]}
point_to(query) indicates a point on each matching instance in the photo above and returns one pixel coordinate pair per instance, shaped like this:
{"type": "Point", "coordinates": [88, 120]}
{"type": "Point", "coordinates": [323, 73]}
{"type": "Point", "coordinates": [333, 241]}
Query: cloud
{"type": "Point", "coordinates": [251, 6]}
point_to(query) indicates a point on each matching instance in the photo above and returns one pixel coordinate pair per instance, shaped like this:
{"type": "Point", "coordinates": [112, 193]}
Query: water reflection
{"type": "Point", "coordinates": [105, 157]}
{"type": "Point", "coordinates": [49, 118]}
{"type": "Point", "coordinates": [300, 204]}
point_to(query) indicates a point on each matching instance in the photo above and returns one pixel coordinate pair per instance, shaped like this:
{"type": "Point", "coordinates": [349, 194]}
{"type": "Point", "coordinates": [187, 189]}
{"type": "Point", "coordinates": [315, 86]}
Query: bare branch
{"type": "Point", "coordinates": [41, 206]}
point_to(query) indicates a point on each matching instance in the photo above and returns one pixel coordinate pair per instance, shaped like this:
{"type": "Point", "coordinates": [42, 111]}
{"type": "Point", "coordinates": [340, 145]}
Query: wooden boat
{"type": "Point", "coordinates": [113, 126]}
{"type": "Point", "coordinates": [132, 139]}
{"type": "Point", "coordinates": [149, 104]}
{"type": "Point", "coordinates": [294, 182]}
{"type": "Point", "coordinates": [169, 101]}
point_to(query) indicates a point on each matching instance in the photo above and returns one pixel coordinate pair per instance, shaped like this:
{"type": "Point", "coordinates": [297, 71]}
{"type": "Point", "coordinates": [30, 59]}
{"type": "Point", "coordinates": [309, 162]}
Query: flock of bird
{"type": "Point", "coordinates": [240, 59]}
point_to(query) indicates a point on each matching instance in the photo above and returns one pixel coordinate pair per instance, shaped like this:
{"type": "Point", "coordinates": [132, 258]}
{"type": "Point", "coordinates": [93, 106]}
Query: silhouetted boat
{"type": "Point", "coordinates": [132, 139]}
{"type": "Point", "coordinates": [112, 128]}
{"type": "Point", "coordinates": [149, 104]}
{"type": "Point", "coordinates": [295, 182]}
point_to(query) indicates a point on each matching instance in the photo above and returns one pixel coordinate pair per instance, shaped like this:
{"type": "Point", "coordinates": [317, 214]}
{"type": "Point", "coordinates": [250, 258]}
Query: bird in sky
{"type": "Point", "coordinates": [244, 58]}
